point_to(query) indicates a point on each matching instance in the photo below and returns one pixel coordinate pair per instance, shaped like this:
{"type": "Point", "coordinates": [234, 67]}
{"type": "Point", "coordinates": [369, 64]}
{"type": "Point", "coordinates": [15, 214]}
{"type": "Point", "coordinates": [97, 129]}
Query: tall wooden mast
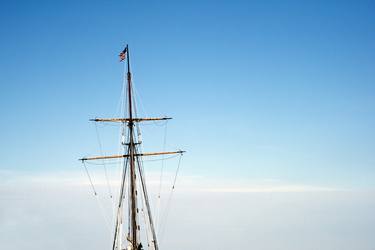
{"type": "Point", "coordinates": [132, 159]}
{"type": "Point", "coordinates": [133, 186]}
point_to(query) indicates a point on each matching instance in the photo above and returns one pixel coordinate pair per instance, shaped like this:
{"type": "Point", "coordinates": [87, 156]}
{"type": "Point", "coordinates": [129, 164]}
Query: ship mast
{"type": "Point", "coordinates": [132, 162]}
{"type": "Point", "coordinates": [133, 186]}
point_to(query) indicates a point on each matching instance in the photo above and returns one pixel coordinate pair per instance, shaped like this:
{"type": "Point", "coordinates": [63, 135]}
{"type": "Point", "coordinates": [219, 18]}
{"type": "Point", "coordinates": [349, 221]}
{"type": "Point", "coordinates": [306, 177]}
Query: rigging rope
{"type": "Point", "coordinates": [178, 169]}
{"type": "Point", "coordinates": [104, 214]}
{"type": "Point", "coordinates": [144, 111]}
{"type": "Point", "coordinates": [143, 205]}
{"type": "Point", "coordinates": [96, 196]}
{"type": "Point", "coordinates": [121, 197]}
{"type": "Point", "coordinates": [140, 172]}
{"type": "Point", "coordinates": [161, 178]}
{"type": "Point", "coordinates": [120, 103]}
{"type": "Point", "coordinates": [88, 175]}
{"type": "Point", "coordinates": [146, 202]}
{"type": "Point", "coordinates": [104, 165]}
{"type": "Point", "coordinates": [139, 163]}
{"type": "Point", "coordinates": [168, 206]}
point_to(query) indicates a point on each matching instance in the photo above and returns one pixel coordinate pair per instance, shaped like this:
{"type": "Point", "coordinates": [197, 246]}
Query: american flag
{"type": "Point", "coordinates": [122, 55]}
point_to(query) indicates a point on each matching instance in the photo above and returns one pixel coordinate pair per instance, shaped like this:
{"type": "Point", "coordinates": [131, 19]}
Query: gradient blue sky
{"type": "Point", "coordinates": [281, 90]}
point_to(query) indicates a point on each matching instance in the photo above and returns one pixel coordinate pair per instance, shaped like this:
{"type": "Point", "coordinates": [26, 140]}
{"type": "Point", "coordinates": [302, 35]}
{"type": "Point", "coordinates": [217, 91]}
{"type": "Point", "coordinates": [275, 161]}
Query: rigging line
{"type": "Point", "coordinates": [144, 190]}
{"type": "Point", "coordinates": [161, 178]}
{"type": "Point", "coordinates": [88, 175]}
{"type": "Point", "coordinates": [96, 196]}
{"type": "Point", "coordinates": [123, 149]}
{"type": "Point", "coordinates": [161, 159]}
{"type": "Point", "coordinates": [137, 96]}
{"type": "Point", "coordinates": [109, 124]}
{"type": "Point", "coordinates": [146, 216]}
{"type": "Point", "coordinates": [129, 206]}
{"type": "Point", "coordinates": [127, 187]}
{"type": "Point", "coordinates": [138, 129]}
{"type": "Point", "coordinates": [122, 170]}
{"type": "Point", "coordinates": [157, 123]}
{"type": "Point", "coordinates": [121, 109]}
{"type": "Point", "coordinates": [153, 123]}
{"type": "Point", "coordinates": [123, 97]}
{"type": "Point", "coordinates": [143, 109]}
{"type": "Point", "coordinates": [165, 218]}
{"type": "Point", "coordinates": [120, 103]}
{"type": "Point", "coordinates": [104, 165]}
{"type": "Point", "coordinates": [177, 171]}
{"type": "Point", "coordinates": [103, 214]}
{"type": "Point", "coordinates": [143, 208]}
{"type": "Point", "coordinates": [124, 136]}
{"type": "Point", "coordinates": [120, 201]}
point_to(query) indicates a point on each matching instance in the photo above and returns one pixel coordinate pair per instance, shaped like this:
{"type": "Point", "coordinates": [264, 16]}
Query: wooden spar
{"type": "Point", "coordinates": [128, 155]}
{"type": "Point", "coordinates": [128, 119]}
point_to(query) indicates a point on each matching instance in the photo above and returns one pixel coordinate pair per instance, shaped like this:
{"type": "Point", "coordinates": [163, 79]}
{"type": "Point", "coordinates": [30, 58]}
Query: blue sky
{"type": "Point", "coordinates": [279, 90]}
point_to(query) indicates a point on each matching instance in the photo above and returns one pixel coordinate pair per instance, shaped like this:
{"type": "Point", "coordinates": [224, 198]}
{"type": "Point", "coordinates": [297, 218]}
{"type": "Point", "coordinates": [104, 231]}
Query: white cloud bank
{"type": "Point", "coordinates": [58, 211]}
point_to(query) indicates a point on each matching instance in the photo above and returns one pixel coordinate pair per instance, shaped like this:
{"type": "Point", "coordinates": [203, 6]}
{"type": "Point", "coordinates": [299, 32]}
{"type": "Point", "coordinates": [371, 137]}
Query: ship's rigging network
{"type": "Point", "coordinates": [122, 160]}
